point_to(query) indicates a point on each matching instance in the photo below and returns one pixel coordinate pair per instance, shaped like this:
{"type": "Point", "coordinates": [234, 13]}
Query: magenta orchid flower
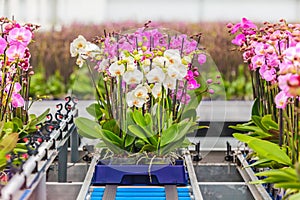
{"type": "Point", "coordinates": [239, 39]}
{"type": "Point", "coordinates": [245, 24]}
{"type": "Point", "coordinates": [193, 84]}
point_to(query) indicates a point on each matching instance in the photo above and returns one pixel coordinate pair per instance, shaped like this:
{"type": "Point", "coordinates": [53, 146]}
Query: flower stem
{"type": "Point", "coordinates": [159, 127]}
{"type": "Point", "coordinates": [174, 101]}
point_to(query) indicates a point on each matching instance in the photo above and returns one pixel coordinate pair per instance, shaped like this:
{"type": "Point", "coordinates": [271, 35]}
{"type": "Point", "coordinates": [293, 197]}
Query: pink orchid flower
{"type": "Point", "coordinates": [17, 100]}
{"type": "Point", "coordinates": [258, 61]}
{"type": "Point", "coordinates": [281, 100]}
{"type": "Point", "coordinates": [15, 52]}
{"type": "Point", "coordinates": [267, 74]}
{"type": "Point", "coordinates": [294, 85]}
{"type": "Point", "coordinates": [19, 36]}
{"type": "Point", "coordinates": [201, 59]}
{"type": "Point", "coordinates": [3, 45]}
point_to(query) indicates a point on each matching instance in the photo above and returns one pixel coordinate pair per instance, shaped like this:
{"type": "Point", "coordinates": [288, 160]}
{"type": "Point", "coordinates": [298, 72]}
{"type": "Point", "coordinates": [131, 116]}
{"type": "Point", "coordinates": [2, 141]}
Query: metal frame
{"type": "Point", "coordinates": [32, 178]}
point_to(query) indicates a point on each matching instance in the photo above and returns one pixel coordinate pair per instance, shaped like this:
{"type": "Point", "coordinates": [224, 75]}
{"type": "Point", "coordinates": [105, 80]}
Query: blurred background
{"type": "Point", "coordinates": [63, 20]}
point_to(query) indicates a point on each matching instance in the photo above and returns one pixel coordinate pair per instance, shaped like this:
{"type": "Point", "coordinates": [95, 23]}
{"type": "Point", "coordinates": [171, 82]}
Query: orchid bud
{"type": "Point", "coordinates": [211, 91]}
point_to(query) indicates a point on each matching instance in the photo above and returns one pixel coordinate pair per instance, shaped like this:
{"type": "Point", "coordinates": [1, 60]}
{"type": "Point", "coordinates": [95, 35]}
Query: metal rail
{"type": "Point", "coordinates": [88, 179]}
{"type": "Point", "coordinates": [192, 175]}
{"type": "Point", "coordinates": [257, 190]}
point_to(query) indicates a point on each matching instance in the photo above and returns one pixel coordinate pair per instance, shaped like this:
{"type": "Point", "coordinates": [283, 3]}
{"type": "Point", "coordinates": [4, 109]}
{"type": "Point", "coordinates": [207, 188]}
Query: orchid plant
{"type": "Point", "coordinates": [272, 53]}
{"type": "Point", "coordinates": [148, 90]}
{"type": "Point", "coordinates": [15, 122]}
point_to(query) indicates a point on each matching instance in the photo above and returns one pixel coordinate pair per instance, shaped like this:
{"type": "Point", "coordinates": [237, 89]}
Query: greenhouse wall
{"type": "Point", "coordinates": [57, 12]}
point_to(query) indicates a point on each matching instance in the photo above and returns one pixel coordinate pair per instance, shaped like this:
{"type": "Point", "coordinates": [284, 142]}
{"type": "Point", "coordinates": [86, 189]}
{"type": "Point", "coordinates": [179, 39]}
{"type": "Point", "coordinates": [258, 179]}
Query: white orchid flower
{"type": "Point", "coordinates": [146, 65]}
{"type": "Point", "coordinates": [173, 57]}
{"type": "Point", "coordinates": [133, 77]}
{"type": "Point", "coordinates": [156, 75]}
{"type": "Point", "coordinates": [132, 100]}
{"type": "Point", "coordinates": [104, 64]}
{"type": "Point", "coordinates": [177, 71]}
{"type": "Point", "coordinates": [91, 50]}
{"type": "Point", "coordinates": [146, 62]}
{"type": "Point", "coordinates": [141, 92]}
{"type": "Point", "coordinates": [116, 70]}
{"type": "Point", "coordinates": [137, 97]}
{"type": "Point", "coordinates": [170, 83]}
{"type": "Point", "coordinates": [78, 45]}
{"type": "Point", "coordinates": [79, 61]}
{"type": "Point", "coordinates": [160, 61]}
{"type": "Point", "coordinates": [131, 65]}
{"type": "Point", "coordinates": [157, 90]}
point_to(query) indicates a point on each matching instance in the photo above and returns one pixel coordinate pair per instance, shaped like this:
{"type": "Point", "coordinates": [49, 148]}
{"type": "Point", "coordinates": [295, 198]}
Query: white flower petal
{"type": "Point", "coordinates": [116, 70]}
{"type": "Point", "coordinates": [156, 75]}
{"type": "Point", "coordinates": [169, 83]}
{"type": "Point", "coordinates": [177, 71]}
{"type": "Point", "coordinates": [133, 77]}
{"type": "Point", "coordinates": [157, 90]}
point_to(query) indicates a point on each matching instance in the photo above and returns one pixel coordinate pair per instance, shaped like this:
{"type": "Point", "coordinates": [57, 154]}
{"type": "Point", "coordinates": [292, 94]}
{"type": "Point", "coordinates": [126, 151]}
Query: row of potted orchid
{"type": "Point", "coordinates": [272, 53]}
{"type": "Point", "coordinates": [15, 121]}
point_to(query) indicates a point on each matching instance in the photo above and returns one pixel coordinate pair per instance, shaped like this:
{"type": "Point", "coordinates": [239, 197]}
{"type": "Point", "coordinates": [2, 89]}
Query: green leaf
{"type": "Point", "coordinates": [253, 129]}
{"type": "Point", "coordinates": [260, 161]}
{"type": "Point", "coordinates": [189, 114]}
{"type": "Point", "coordinates": [129, 118]}
{"type": "Point", "coordinates": [9, 127]}
{"type": "Point", "coordinates": [112, 136]}
{"type": "Point", "coordinates": [279, 175]}
{"type": "Point", "coordinates": [8, 143]}
{"type": "Point", "coordinates": [295, 196]}
{"type": "Point", "coordinates": [139, 118]}
{"type": "Point", "coordinates": [129, 139]}
{"type": "Point", "coordinates": [138, 132]}
{"type": "Point", "coordinates": [148, 120]}
{"type": "Point", "coordinates": [95, 110]}
{"type": "Point", "coordinates": [34, 120]}
{"type": "Point", "coordinates": [172, 146]}
{"type": "Point", "coordinates": [87, 128]}
{"type": "Point", "coordinates": [18, 122]}
{"type": "Point", "coordinates": [112, 142]}
{"type": "Point", "coordinates": [139, 143]}
{"type": "Point", "coordinates": [258, 123]}
{"type": "Point", "coordinates": [265, 149]}
{"type": "Point", "coordinates": [288, 185]}
{"type": "Point", "coordinates": [186, 142]}
{"type": "Point", "coordinates": [148, 148]}
{"type": "Point", "coordinates": [175, 132]}
{"type": "Point", "coordinates": [112, 126]}
{"type": "Point", "coordinates": [269, 122]}
{"type": "Point", "coordinates": [101, 145]}
{"type": "Point", "coordinates": [3, 162]}
{"type": "Point", "coordinates": [255, 108]}
{"type": "Point", "coordinates": [168, 135]}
